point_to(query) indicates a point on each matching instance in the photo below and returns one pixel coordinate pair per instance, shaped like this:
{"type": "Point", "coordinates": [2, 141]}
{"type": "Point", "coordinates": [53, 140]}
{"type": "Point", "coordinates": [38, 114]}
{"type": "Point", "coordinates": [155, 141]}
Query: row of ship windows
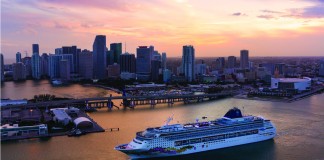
{"type": "Point", "coordinates": [210, 132]}
{"type": "Point", "coordinates": [217, 137]}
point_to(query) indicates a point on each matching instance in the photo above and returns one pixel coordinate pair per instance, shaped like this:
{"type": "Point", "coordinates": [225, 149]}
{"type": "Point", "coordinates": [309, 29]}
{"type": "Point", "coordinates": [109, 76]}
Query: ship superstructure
{"type": "Point", "coordinates": [177, 139]}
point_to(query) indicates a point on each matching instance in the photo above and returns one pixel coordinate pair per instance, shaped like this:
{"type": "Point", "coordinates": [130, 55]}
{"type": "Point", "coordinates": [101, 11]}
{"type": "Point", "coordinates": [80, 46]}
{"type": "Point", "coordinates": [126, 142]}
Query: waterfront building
{"type": "Point", "coordinates": [116, 49]}
{"type": "Point", "coordinates": [36, 73]}
{"type": "Point", "coordinates": [155, 66]}
{"type": "Point", "coordinates": [2, 67]}
{"type": "Point", "coordinates": [113, 71]}
{"type": "Point", "coordinates": [188, 62]}
{"type": "Point", "coordinates": [127, 75]}
{"type": "Point", "coordinates": [143, 62]}
{"type": "Point", "coordinates": [291, 84]}
{"type": "Point", "coordinates": [321, 68]}
{"type": "Point", "coordinates": [65, 71]}
{"type": "Point", "coordinates": [164, 60]}
{"type": "Point", "coordinates": [75, 53]}
{"type": "Point", "coordinates": [127, 63]}
{"type": "Point", "coordinates": [99, 57]}
{"type": "Point", "coordinates": [244, 59]}
{"type": "Point", "coordinates": [44, 64]}
{"type": "Point", "coordinates": [54, 64]}
{"type": "Point", "coordinates": [166, 75]}
{"type": "Point", "coordinates": [86, 64]}
{"type": "Point", "coordinates": [19, 71]}
{"type": "Point", "coordinates": [35, 48]}
{"type": "Point", "coordinates": [18, 57]}
{"type": "Point", "coordinates": [231, 62]}
{"type": "Point", "coordinates": [28, 63]}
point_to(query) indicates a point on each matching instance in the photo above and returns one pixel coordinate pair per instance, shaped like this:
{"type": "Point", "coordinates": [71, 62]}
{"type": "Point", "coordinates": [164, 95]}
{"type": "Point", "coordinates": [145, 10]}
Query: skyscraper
{"type": "Point", "coordinates": [116, 49]}
{"type": "Point", "coordinates": [220, 63]}
{"type": "Point", "coordinates": [231, 62]}
{"type": "Point", "coordinates": [35, 48]}
{"type": "Point", "coordinates": [164, 59]}
{"type": "Point", "coordinates": [86, 64]}
{"type": "Point", "coordinates": [44, 64]}
{"type": "Point", "coordinates": [143, 62]}
{"type": "Point", "coordinates": [18, 57]}
{"type": "Point", "coordinates": [18, 71]}
{"type": "Point", "coordinates": [2, 67]}
{"type": "Point", "coordinates": [54, 65]}
{"type": "Point", "coordinates": [321, 68]}
{"type": "Point", "coordinates": [155, 66]}
{"type": "Point", "coordinates": [244, 59]}
{"type": "Point", "coordinates": [99, 57]}
{"type": "Point", "coordinates": [65, 70]}
{"type": "Point", "coordinates": [28, 64]}
{"type": "Point", "coordinates": [188, 62]}
{"type": "Point", "coordinates": [35, 61]}
{"type": "Point", "coordinates": [75, 53]}
{"type": "Point", "coordinates": [127, 63]}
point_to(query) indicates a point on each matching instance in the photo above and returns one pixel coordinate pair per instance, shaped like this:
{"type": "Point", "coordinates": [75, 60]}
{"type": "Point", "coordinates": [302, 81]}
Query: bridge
{"type": "Point", "coordinates": [128, 101]}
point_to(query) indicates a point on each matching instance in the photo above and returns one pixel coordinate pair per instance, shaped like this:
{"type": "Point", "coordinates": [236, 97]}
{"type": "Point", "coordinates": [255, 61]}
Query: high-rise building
{"type": "Point", "coordinates": [143, 62]}
{"type": "Point", "coordinates": [44, 64]}
{"type": "Point", "coordinates": [155, 66]}
{"type": "Point", "coordinates": [2, 67]}
{"type": "Point", "coordinates": [18, 57]}
{"type": "Point", "coordinates": [18, 71]}
{"type": "Point", "coordinates": [35, 49]}
{"type": "Point", "coordinates": [110, 57]}
{"type": "Point", "coordinates": [58, 51]}
{"type": "Point", "coordinates": [65, 70]}
{"type": "Point", "coordinates": [156, 56]}
{"type": "Point", "coordinates": [244, 59]}
{"type": "Point", "coordinates": [231, 62]}
{"type": "Point", "coordinates": [201, 68]}
{"type": "Point", "coordinates": [28, 64]}
{"type": "Point", "coordinates": [113, 71]}
{"type": "Point", "coordinates": [164, 60]}
{"type": "Point", "coordinates": [75, 52]}
{"type": "Point", "coordinates": [127, 63]}
{"type": "Point", "coordinates": [99, 57]}
{"type": "Point", "coordinates": [280, 67]}
{"type": "Point", "coordinates": [321, 68]}
{"type": "Point", "coordinates": [54, 65]}
{"type": "Point", "coordinates": [116, 48]}
{"type": "Point", "coordinates": [36, 70]}
{"type": "Point", "coordinates": [166, 75]}
{"type": "Point", "coordinates": [188, 62]}
{"type": "Point", "coordinates": [86, 64]}
{"type": "Point", "coordinates": [220, 63]}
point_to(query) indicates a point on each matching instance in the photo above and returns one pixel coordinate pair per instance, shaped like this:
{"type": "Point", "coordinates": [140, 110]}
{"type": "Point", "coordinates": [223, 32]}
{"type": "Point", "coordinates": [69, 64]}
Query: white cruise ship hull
{"type": "Point", "coordinates": [204, 146]}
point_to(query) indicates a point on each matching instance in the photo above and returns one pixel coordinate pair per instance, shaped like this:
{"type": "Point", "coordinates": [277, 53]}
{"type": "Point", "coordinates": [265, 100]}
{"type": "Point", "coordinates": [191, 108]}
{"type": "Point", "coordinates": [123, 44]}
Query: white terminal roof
{"type": "Point", "coordinates": [60, 114]}
{"type": "Point", "coordinates": [305, 79]}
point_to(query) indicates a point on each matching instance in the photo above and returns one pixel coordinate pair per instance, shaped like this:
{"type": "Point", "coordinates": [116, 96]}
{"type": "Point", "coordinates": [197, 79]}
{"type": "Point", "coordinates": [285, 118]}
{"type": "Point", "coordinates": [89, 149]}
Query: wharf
{"type": "Point", "coordinates": [36, 115]}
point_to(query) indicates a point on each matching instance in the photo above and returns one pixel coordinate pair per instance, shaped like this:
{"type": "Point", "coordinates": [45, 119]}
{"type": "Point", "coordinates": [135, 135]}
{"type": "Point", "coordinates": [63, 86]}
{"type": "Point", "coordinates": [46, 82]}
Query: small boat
{"type": "Point", "coordinates": [56, 82]}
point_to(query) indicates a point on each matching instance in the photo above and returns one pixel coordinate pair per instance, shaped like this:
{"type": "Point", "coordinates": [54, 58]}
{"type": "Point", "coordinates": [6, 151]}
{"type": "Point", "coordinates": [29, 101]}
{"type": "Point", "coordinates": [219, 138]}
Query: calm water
{"type": "Point", "coordinates": [300, 127]}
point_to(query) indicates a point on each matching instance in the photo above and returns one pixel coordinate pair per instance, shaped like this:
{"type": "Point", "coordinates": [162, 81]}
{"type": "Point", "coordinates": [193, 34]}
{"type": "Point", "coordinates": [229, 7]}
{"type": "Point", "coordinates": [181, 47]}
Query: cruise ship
{"type": "Point", "coordinates": [177, 139]}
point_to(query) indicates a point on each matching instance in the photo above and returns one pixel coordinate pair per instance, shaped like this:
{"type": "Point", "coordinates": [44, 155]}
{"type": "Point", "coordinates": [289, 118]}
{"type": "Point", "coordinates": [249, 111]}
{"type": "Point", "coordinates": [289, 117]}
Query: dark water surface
{"type": "Point", "coordinates": [300, 127]}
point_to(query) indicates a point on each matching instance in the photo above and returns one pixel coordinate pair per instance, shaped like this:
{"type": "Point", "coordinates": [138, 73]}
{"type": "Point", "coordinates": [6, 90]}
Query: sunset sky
{"type": "Point", "coordinates": [214, 27]}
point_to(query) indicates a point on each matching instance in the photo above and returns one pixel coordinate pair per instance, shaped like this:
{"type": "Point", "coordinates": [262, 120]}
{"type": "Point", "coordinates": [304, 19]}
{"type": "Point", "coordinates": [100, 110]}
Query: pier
{"type": "Point", "coordinates": [127, 101]}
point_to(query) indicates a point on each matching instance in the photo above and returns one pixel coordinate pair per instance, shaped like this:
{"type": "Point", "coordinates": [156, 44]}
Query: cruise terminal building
{"type": "Point", "coordinates": [297, 84]}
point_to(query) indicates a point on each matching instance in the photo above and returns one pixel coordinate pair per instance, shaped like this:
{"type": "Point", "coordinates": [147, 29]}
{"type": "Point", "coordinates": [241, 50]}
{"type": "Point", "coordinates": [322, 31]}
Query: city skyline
{"type": "Point", "coordinates": [291, 28]}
